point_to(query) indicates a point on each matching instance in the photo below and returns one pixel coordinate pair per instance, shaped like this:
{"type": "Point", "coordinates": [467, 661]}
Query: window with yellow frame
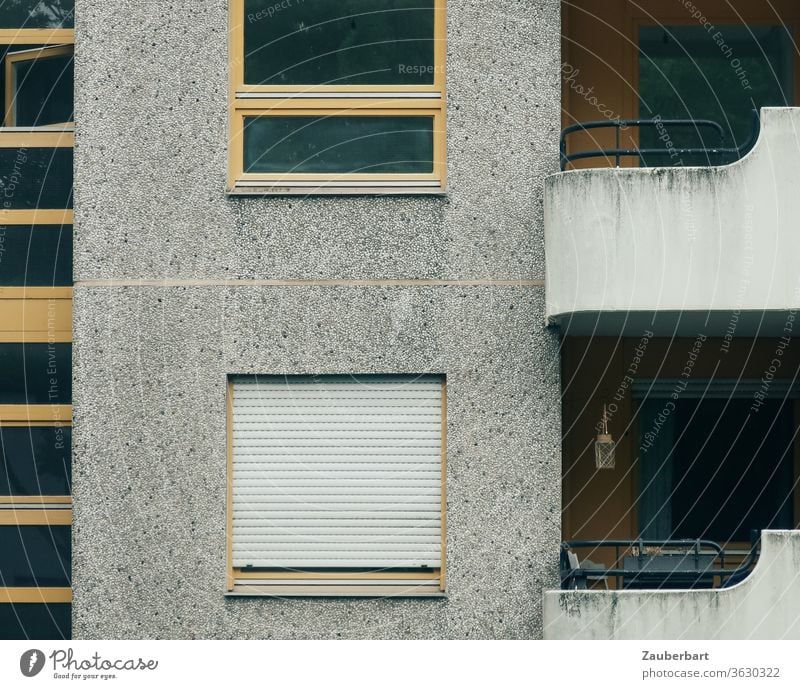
{"type": "Point", "coordinates": [337, 97]}
{"type": "Point", "coordinates": [36, 139]}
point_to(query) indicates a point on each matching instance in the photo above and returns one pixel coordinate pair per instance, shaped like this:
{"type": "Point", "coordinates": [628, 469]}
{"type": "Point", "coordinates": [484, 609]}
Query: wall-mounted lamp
{"type": "Point", "coordinates": [604, 446]}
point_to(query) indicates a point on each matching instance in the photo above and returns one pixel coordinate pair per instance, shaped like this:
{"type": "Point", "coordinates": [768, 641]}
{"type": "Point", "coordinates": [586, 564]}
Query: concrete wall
{"type": "Point", "coordinates": [676, 240]}
{"type": "Point", "coordinates": [766, 605]}
{"type": "Point", "coordinates": [178, 285]}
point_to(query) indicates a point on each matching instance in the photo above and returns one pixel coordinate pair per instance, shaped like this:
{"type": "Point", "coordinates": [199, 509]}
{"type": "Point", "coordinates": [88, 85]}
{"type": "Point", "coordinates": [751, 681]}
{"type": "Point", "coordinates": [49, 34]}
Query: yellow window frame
{"type": "Point", "coordinates": [11, 81]}
{"type": "Point", "coordinates": [40, 517]}
{"type": "Point", "coordinates": [23, 302]}
{"type": "Point", "coordinates": [35, 509]}
{"type": "Point", "coordinates": [248, 100]}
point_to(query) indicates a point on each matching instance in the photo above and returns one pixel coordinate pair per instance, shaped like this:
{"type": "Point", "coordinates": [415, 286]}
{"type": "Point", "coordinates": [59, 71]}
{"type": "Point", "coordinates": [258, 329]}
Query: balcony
{"type": "Point", "coordinates": [765, 605]}
{"type": "Point", "coordinates": [679, 250]}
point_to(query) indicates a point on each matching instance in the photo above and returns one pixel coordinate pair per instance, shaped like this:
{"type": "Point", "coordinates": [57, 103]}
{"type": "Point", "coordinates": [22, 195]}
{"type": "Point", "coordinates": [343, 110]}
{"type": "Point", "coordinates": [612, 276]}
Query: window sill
{"type": "Point", "coordinates": [332, 189]}
{"type": "Point", "coordinates": [323, 589]}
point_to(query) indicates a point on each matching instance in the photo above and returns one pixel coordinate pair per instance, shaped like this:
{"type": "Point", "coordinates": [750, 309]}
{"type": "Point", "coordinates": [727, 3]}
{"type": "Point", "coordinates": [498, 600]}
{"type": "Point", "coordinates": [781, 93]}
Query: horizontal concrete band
{"type": "Point", "coordinates": [309, 283]}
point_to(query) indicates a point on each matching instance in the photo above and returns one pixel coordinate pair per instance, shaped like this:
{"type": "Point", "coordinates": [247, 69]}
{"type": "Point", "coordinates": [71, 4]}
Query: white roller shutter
{"type": "Point", "coordinates": [337, 471]}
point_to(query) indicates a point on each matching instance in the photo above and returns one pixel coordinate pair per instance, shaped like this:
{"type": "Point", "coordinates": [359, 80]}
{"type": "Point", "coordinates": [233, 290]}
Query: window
{"type": "Point", "coordinates": [35, 485]}
{"type": "Point", "coordinates": [336, 485]}
{"type": "Point", "coordinates": [36, 255]}
{"type": "Point", "coordinates": [35, 555]}
{"type": "Point", "coordinates": [337, 97]}
{"type": "Point", "coordinates": [35, 460]}
{"type": "Point", "coordinates": [735, 476]}
{"type": "Point", "coordinates": [35, 373]}
{"type": "Point", "coordinates": [36, 139]}
{"type": "Point", "coordinates": [35, 621]}
{"type": "Point", "coordinates": [38, 87]}
{"type": "Point", "coordinates": [687, 72]}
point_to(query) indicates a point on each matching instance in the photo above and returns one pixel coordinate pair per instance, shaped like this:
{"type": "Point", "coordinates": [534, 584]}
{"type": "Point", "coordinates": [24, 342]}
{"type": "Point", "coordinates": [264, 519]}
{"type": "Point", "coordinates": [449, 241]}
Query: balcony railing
{"type": "Point", "coordinates": [653, 564]}
{"type": "Point", "coordinates": [713, 155]}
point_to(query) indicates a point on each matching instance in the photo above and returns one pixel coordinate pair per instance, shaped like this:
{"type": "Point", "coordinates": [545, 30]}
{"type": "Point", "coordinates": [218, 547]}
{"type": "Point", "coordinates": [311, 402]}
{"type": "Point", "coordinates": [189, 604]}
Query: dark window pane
{"type": "Point", "coordinates": [44, 89]}
{"type": "Point", "coordinates": [725, 483]}
{"type": "Point", "coordinates": [339, 144]}
{"type": "Point", "coordinates": [38, 255]}
{"type": "Point", "coordinates": [51, 621]}
{"type": "Point", "coordinates": [37, 14]}
{"type": "Point", "coordinates": [35, 373]}
{"type": "Point", "coordinates": [35, 460]}
{"type": "Point", "coordinates": [36, 178]}
{"type": "Point", "coordinates": [4, 50]}
{"type": "Point", "coordinates": [339, 43]}
{"type": "Point", "coordinates": [688, 72]}
{"type": "Point", "coordinates": [35, 555]}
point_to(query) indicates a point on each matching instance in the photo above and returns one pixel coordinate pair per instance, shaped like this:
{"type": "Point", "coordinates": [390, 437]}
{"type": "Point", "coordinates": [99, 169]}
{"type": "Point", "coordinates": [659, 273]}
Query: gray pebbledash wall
{"type": "Point", "coordinates": [151, 360]}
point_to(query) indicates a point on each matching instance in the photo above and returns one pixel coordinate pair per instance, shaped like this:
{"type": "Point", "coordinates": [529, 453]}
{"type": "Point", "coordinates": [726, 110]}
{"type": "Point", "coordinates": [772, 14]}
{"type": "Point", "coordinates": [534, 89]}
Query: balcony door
{"type": "Point", "coordinates": [721, 74]}
{"type": "Point", "coordinates": [652, 58]}
{"type": "Point", "coordinates": [711, 467]}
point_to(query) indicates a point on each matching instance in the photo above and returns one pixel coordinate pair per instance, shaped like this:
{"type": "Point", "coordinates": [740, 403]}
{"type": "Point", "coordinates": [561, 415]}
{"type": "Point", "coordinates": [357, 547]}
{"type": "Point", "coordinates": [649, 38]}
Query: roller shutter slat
{"type": "Point", "coordinates": [367, 386]}
{"type": "Point", "coordinates": [317, 521]}
{"type": "Point", "coordinates": [254, 556]}
{"type": "Point", "coordinates": [288, 472]}
{"type": "Point", "coordinates": [322, 531]}
{"type": "Point", "coordinates": [400, 495]}
{"type": "Point", "coordinates": [258, 394]}
{"type": "Point", "coordinates": [309, 542]}
{"type": "Point", "coordinates": [347, 562]}
{"type": "Point", "coordinates": [295, 454]}
{"type": "Point", "coordinates": [261, 486]}
{"type": "Point", "coordinates": [337, 503]}
{"type": "Point", "coordinates": [372, 416]}
{"type": "Point", "coordinates": [327, 483]}
{"type": "Point", "coordinates": [343, 440]}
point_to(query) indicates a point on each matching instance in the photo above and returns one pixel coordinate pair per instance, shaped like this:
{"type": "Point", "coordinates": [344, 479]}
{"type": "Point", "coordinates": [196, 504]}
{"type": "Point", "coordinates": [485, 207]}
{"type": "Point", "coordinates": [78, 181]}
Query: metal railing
{"type": "Point", "coordinates": [641, 153]}
{"type": "Point", "coordinates": [655, 564]}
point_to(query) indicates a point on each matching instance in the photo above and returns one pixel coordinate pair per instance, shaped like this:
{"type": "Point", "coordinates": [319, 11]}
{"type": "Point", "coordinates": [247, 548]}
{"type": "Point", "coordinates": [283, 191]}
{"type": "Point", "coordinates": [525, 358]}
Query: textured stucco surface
{"type": "Point", "coordinates": [150, 452]}
{"type": "Point", "coordinates": [151, 157]}
{"type": "Point", "coordinates": [150, 363]}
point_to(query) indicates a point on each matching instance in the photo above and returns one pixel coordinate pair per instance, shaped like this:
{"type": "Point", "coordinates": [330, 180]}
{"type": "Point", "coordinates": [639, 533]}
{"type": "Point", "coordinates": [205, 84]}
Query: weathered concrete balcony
{"type": "Point", "coordinates": [691, 246]}
{"type": "Point", "coordinates": [766, 605]}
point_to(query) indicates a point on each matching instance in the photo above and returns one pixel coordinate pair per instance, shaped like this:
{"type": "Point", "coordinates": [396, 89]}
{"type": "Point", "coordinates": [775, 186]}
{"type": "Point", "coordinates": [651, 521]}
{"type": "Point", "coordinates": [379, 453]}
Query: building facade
{"type": "Point", "coordinates": [324, 383]}
{"type": "Point", "coordinates": [183, 280]}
